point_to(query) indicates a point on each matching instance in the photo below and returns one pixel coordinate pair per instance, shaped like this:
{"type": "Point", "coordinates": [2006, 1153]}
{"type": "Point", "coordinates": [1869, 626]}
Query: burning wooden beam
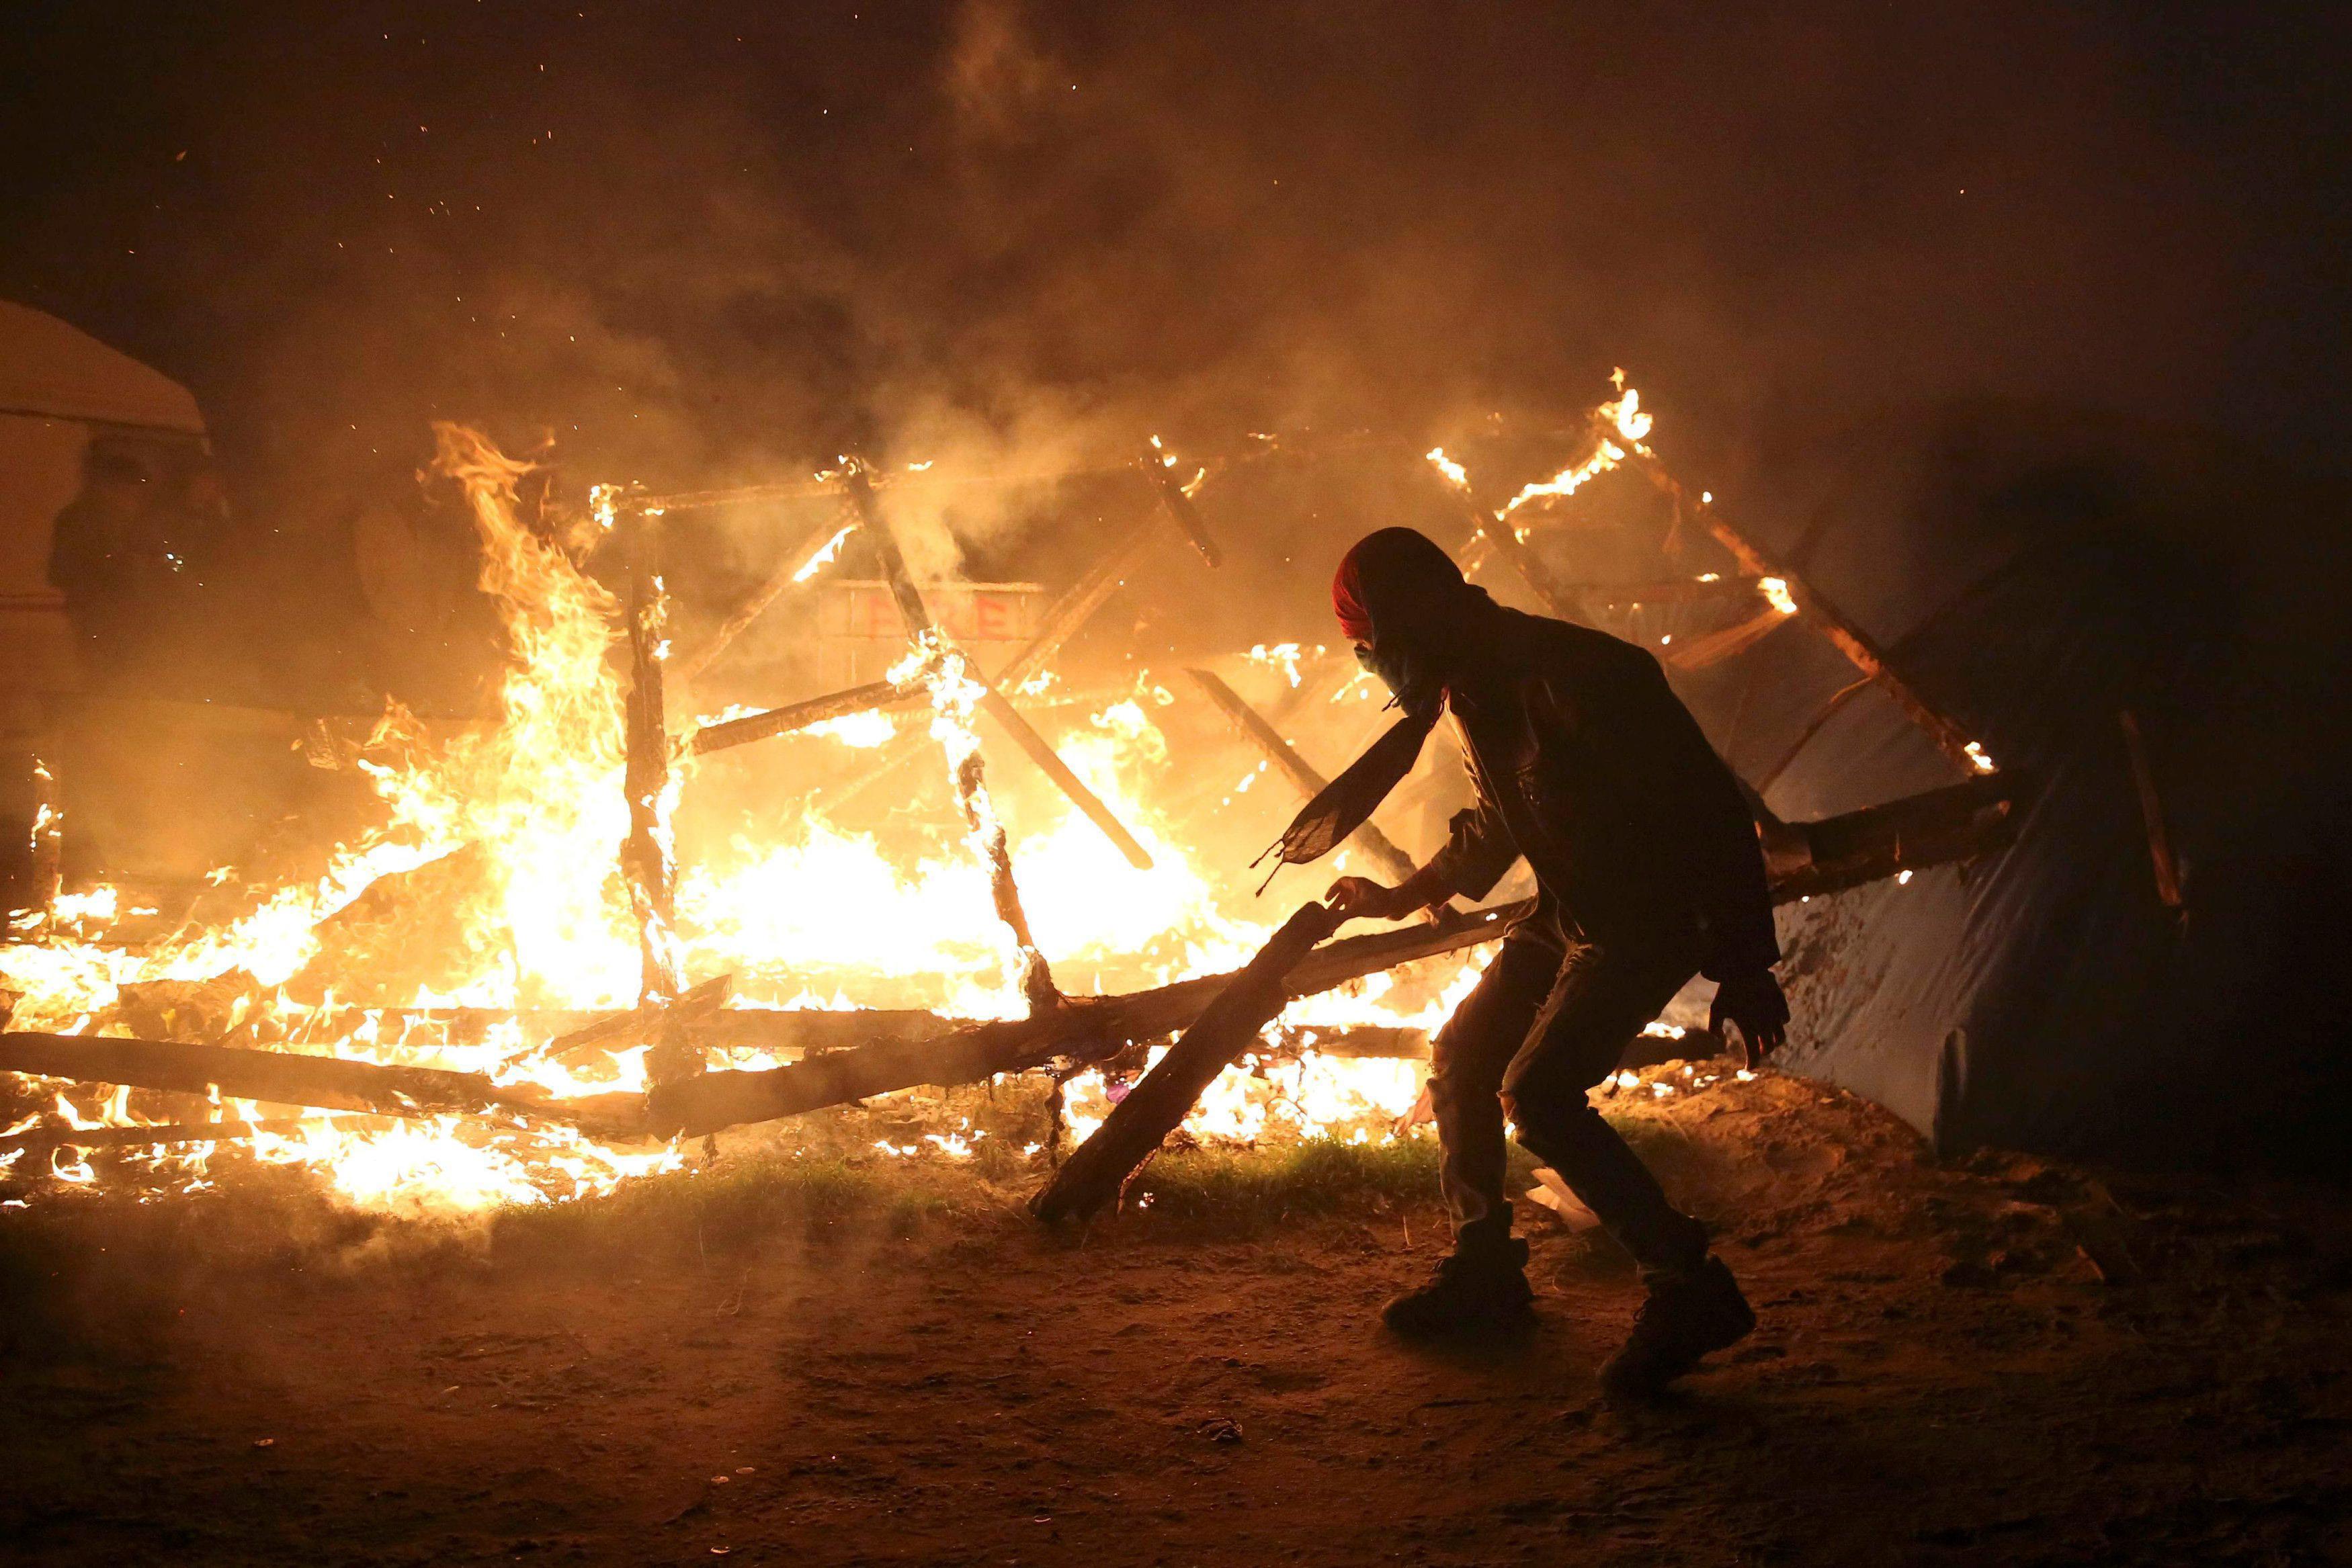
{"type": "Point", "coordinates": [1254, 728]}
{"type": "Point", "coordinates": [783, 720]}
{"type": "Point", "coordinates": [797, 569]}
{"type": "Point", "coordinates": [918, 618]}
{"type": "Point", "coordinates": [1156, 464]}
{"type": "Point", "coordinates": [1844, 633]}
{"type": "Point", "coordinates": [283, 1077]}
{"type": "Point", "coordinates": [1085, 1028]}
{"type": "Point", "coordinates": [648, 858]}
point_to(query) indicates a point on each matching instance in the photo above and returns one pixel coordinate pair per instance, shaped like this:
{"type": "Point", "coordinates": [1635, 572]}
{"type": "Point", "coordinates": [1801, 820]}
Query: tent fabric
{"type": "Point", "coordinates": [51, 369]}
{"type": "Point", "coordinates": [2034, 582]}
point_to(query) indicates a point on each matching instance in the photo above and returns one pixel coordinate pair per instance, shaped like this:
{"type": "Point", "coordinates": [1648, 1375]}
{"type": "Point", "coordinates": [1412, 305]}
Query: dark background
{"type": "Point", "coordinates": [693, 243]}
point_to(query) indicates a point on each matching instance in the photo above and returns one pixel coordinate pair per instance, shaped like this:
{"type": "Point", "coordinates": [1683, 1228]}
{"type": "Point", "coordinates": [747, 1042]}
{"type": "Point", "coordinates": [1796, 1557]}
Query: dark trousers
{"type": "Point", "coordinates": [1548, 1019]}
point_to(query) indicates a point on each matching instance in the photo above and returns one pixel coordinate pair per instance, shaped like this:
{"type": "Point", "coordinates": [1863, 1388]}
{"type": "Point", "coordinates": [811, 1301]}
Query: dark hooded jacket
{"type": "Point", "coordinates": [1587, 764]}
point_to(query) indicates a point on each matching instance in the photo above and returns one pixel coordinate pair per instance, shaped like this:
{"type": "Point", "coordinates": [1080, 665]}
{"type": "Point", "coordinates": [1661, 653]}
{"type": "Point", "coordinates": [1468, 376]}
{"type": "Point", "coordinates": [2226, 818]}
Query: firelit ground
{"type": "Point", "coordinates": [810, 1362]}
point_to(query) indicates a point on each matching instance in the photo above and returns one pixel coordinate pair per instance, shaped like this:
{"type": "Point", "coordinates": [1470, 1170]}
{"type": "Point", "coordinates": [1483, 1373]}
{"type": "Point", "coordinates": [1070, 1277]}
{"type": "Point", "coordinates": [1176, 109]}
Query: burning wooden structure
{"type": "Point", "coordinates": [194, 1023]}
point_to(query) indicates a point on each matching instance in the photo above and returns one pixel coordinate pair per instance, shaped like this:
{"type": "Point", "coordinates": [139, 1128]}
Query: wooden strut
{"type": "Point", "coordinates": [1846, 636]}
{"type": "Point", "coordinates": [917, 619]}
{"type": "Point", "coordinates": [775, 721]}
{"type": "Point", "coordinates": [1254, 728]}
{"type": "Point", "coordinates": [794, 570]}
{"type": "Point", "coordinates": [1715, 647]}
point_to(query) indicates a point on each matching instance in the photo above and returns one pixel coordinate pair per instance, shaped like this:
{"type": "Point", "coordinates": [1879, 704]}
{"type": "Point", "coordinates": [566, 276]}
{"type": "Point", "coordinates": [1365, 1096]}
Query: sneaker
{"type": "Point", "coordinates": [1484, 1288]}
{"type": "Point", "coordinates": [1676, 1326]}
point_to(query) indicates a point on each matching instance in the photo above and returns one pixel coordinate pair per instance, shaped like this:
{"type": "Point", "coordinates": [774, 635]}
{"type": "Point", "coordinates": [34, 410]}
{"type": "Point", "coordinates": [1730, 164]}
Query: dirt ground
{"type": "Point", "coordinates": [2009, 1361]}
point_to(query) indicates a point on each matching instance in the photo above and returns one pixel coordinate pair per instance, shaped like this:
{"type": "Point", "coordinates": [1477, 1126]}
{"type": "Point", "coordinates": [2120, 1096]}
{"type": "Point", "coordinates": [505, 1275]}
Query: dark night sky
{"type": "Point", "coordinates": [699, 241]}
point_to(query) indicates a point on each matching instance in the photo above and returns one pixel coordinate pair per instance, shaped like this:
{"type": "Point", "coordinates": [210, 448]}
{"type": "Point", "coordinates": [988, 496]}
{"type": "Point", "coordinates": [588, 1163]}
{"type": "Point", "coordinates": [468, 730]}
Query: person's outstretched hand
{"type": "Point", "coordinates": [1362, 898]}
{"type": "Point", "coordinates": [1752, 1004]}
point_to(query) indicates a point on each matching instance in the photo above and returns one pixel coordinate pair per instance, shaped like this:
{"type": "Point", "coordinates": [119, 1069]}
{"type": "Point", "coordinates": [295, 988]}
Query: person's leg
{"type": "Point", "coordinates": [1601, 1002]}
{"type": "Point", "coordinates": [1483, 1283]}
{"type": "Point", "coordinates": [1467, 1060]}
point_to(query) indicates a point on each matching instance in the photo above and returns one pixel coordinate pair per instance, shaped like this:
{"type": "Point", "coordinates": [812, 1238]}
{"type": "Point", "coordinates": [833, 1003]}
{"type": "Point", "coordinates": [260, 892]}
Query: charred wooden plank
{"type": "Point", "coordinates": [1086, 1027]}
{"type": "Point", "coordinates": [1954, 824]}
{"type": "Point", "coordinates": [734, 732]}
{"type": "Point", "coordinates": [44, 1139]}
{"type": "Point", "coordinates": [1156, 464]}
{"type": "Point", "coordinates": [1097, 1170]}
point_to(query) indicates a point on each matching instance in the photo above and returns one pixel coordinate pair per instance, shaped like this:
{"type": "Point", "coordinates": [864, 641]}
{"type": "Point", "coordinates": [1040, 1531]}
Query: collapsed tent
{"type": "Point", "coordinates": [2140, 620]}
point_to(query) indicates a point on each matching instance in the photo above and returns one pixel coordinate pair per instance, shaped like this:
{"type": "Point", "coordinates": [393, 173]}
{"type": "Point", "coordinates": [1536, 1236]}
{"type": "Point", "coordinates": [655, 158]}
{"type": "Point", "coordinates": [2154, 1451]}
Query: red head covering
{"type": "Point", "coordinates": [1347, 599]}
{"type": "Point", "coordinates": [1396, 576]}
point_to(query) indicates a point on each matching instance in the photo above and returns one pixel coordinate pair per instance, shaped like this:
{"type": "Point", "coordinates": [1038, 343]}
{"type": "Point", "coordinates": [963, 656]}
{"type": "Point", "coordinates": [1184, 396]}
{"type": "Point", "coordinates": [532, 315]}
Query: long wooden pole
{"type": "Point", "coordinates": [796, 569]}
{"type": "Point", "coordinates": [775, 721]}
{"type": "Point", "coordinates": [1843, 631]}
{"type": "Point", "coordinates": [1254, 728]}
{"type": "Point", "coordinates": [1092, 1177]}
{"type": "Point", "coordinates": [284, 1078]}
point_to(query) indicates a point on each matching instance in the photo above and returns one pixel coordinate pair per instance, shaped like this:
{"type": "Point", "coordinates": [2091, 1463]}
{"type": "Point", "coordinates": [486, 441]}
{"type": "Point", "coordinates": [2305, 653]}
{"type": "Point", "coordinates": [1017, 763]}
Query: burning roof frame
{"type": "Point", "coordinates": [846, 1056]}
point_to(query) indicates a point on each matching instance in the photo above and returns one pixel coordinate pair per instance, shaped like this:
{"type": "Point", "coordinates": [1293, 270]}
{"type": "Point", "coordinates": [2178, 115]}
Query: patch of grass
{"type": "Point", "coordinates": [1320, 1177]}
{"type": "Point", "coordinates": [727, 1206]}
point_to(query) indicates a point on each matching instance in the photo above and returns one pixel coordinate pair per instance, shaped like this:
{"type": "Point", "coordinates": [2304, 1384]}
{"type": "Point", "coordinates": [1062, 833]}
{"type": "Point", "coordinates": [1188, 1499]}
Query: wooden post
{"type": "Point", "coordinates": [648, 857]}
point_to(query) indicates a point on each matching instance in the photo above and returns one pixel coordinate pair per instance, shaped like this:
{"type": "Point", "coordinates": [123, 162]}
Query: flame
{"type": "Point", "coordinates": [826, 552]}
{"type": "Point", "coordinates": [1776, 593]}
{"type": "Point", "coordinates": [516, 827]}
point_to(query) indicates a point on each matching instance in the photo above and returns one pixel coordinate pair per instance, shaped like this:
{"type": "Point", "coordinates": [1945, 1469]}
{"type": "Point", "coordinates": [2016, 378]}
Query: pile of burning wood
{"type": "Point", "coordinates": [220, 1053]}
